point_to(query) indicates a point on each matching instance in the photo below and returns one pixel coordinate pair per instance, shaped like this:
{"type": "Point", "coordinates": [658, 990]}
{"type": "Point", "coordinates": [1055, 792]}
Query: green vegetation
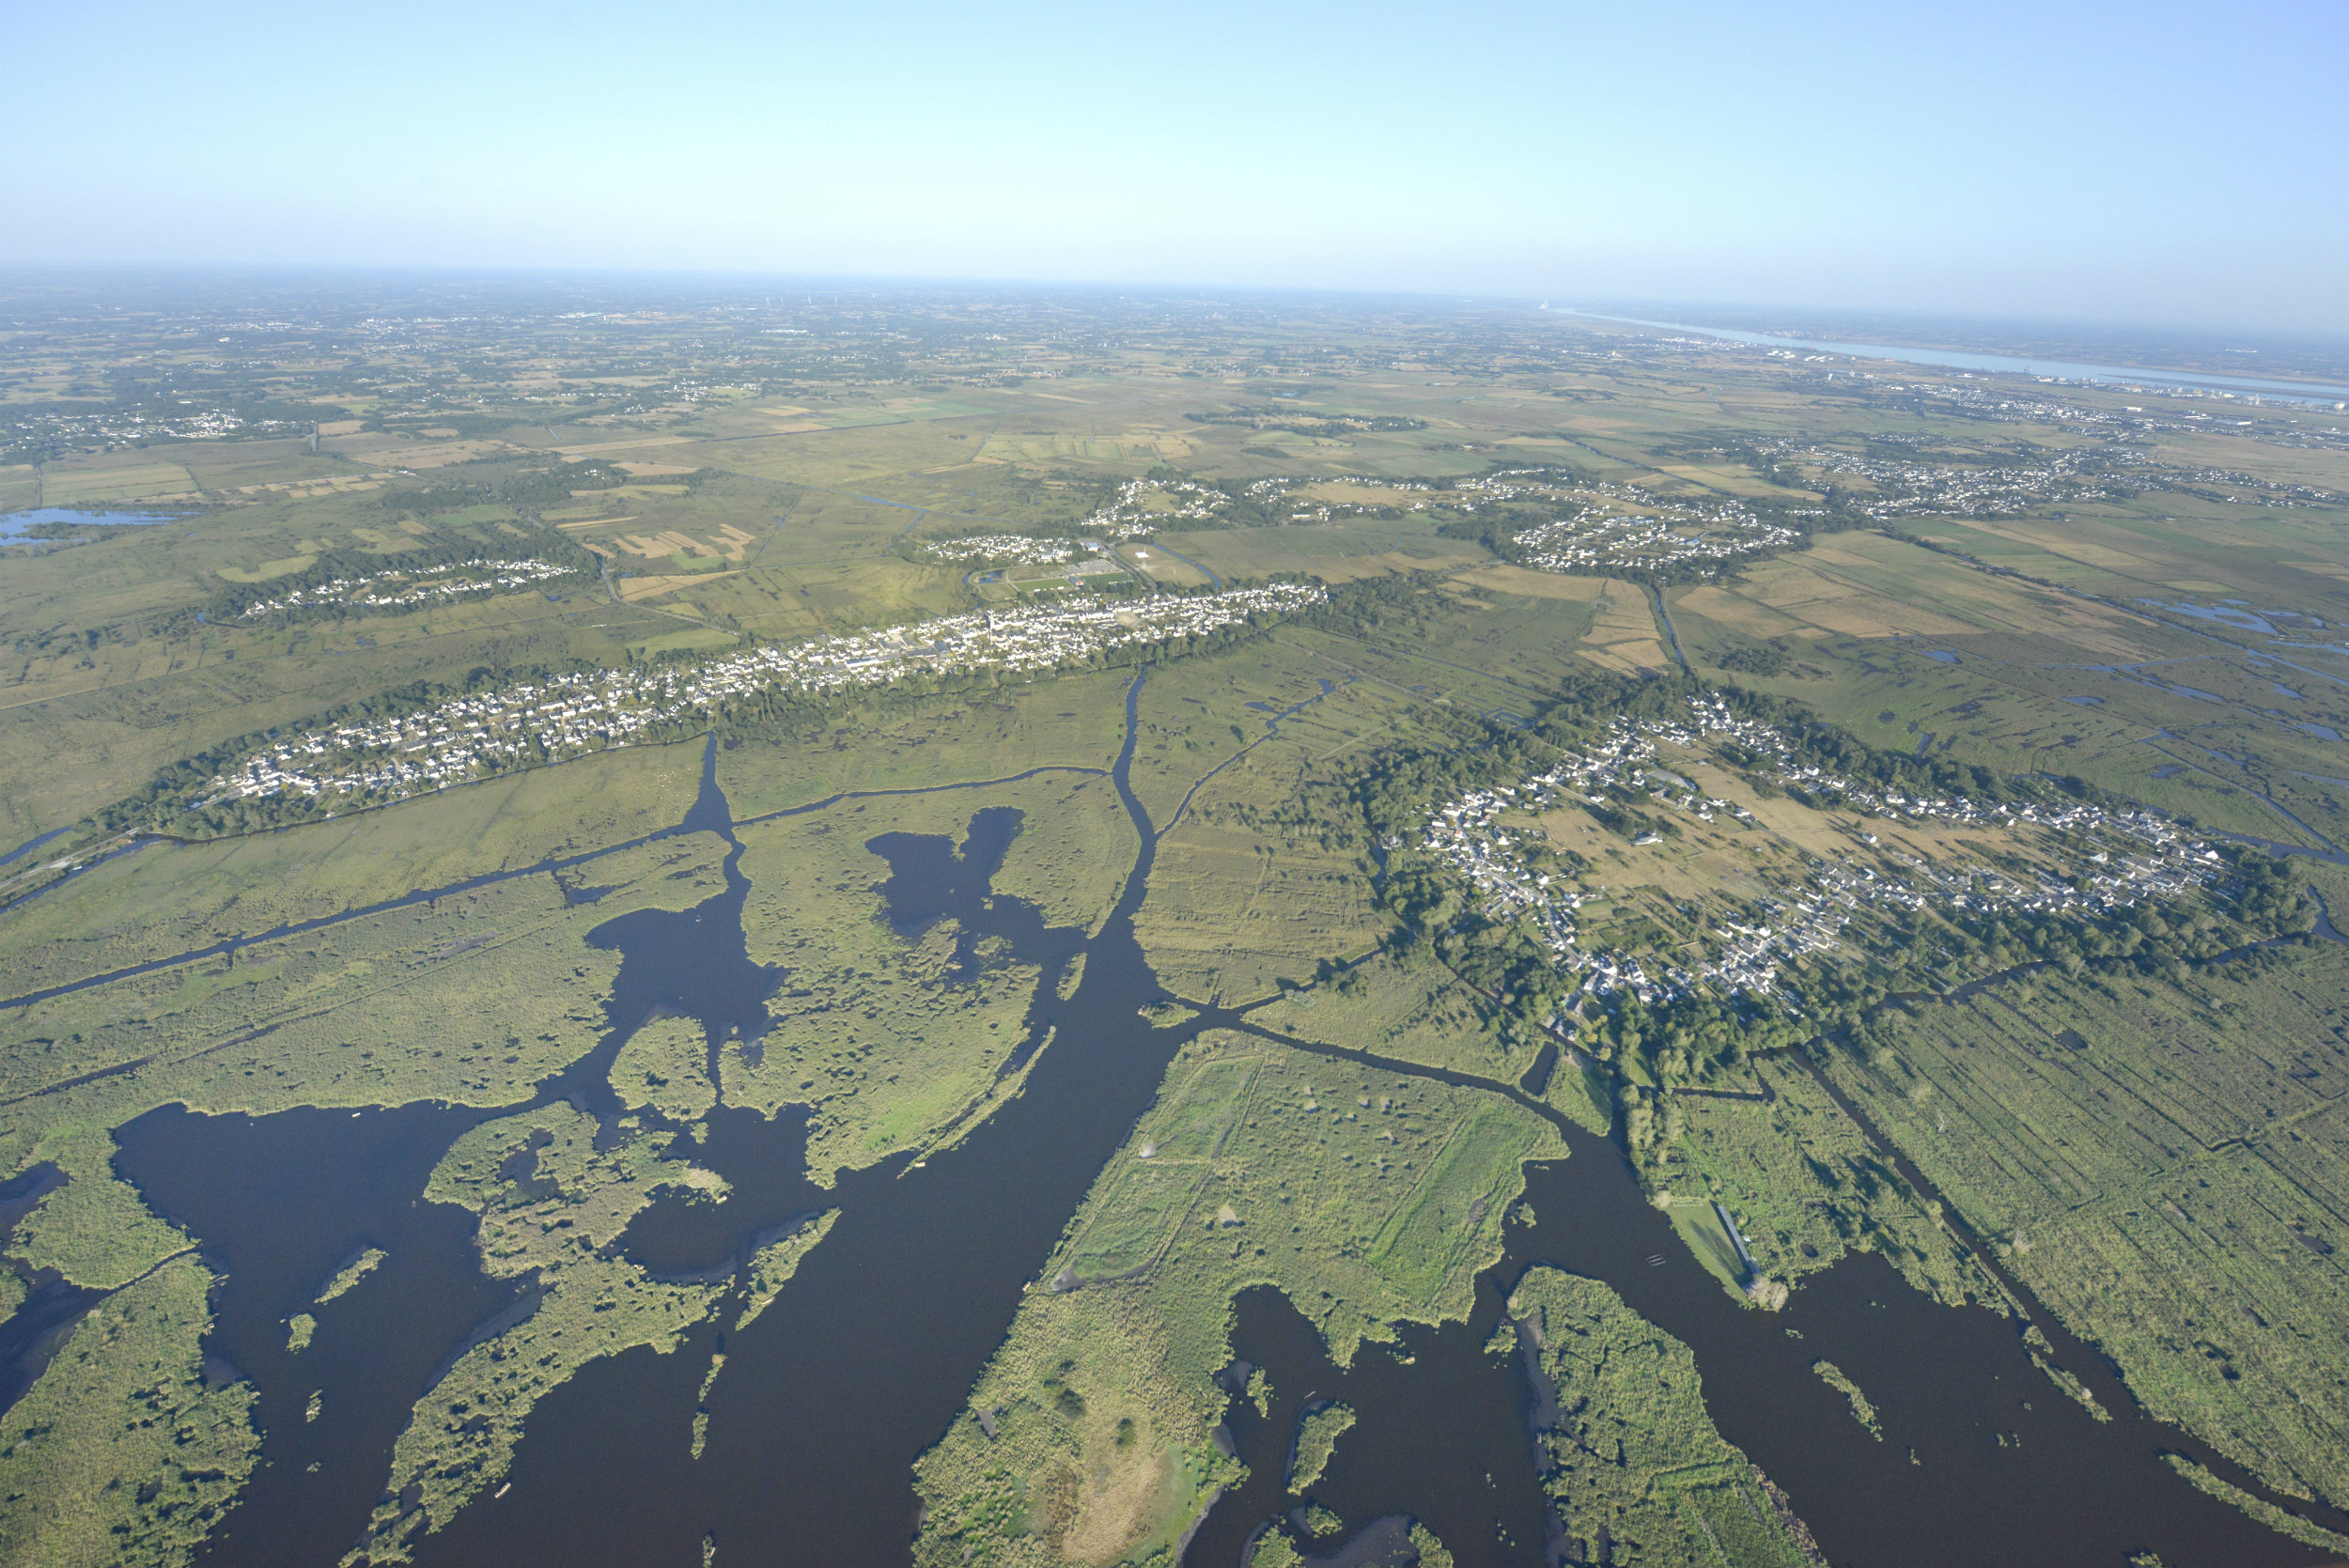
{"type": "Point", "coordinates": [2156, 1160]}
{"type": "Point", "coordinates": [1805, 1188]}
{"type": "Point", "coordinates": [170, 898]}
{"type": "Point", "coordinates": [94, 1229]}
{"type": "Point", "coordinates": [1366, 1198]}
{"type": "Point", "coordinates": [125, 1450]}
{"type": "Point", "coordinates": [1635, 1460]}
{"type": "Point", "coordinates": [775, 1258]}
{"type": "Point", "coordinates": [1081, 1443]}
{"type": "Point", "coordinates": [1402, 1004]}
{"type": "Point", "coordinates": [1317, 1432]}
{"type": "Point", "coordinates": [2303, 1531]}
{"type": "Point", "coordinates": [664, 1067]}
{"type": "Point", "coordinates": [358, 1268]}
{"type": "Point", "coordinates": [892, 1039]}
{"type": "Point", "coordinates": [1862, 1410]}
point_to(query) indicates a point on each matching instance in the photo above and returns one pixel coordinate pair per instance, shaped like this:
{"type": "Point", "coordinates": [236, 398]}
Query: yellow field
{"type": "Point", "coordinates": [1504, 579]}
{"type": "Point", "coordinates": [730, 545]}
{"type": "Point", "coordinates": [635, 590]}
{"type": "Point", "coordinates": [1623, 635]}
{"type": "Point", "coordinates": [1337, 554]}
{"type": "Point", "coordinates": [1866, 586]}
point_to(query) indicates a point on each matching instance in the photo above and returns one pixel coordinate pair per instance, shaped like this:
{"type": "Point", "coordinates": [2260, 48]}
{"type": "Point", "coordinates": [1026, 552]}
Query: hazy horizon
{"type": "Point", "coordinates": [2314, 355]}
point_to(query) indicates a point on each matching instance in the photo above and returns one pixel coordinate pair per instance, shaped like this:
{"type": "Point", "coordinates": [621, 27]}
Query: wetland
{"type": "Point", "coordinates": [1663, 1050]}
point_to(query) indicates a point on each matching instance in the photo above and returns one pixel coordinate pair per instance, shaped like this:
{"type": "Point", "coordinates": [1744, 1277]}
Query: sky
{"type": "Point", "coordinates": [2177, 164]}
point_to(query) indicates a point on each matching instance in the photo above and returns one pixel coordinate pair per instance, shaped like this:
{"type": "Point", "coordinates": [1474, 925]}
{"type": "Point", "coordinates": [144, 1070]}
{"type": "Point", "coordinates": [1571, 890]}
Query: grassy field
{"type": "Point", "coordinates": [1074, 722]}
{"type": "Point", "coordinates": [1405, 1005]}
{"type": "Point", "coordinates": [472, 999]}
{"type": "Point", "coordinates": [1263, 871]}
{"type": "Point", "coordinates": [1917, 649]}
{"type": "Point", "coordinates": [175, 898]}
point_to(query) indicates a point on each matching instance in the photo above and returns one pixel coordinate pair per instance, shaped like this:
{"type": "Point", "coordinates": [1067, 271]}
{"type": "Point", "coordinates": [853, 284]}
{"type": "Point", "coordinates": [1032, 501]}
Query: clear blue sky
{"type": "Point", "coordinates": [2143, 161]}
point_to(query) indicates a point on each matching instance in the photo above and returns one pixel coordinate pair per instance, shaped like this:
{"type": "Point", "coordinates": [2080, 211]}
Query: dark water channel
{"type": "Point", "coordinates": [1983, 1458]}
{"type": "Point", "coordinates": [827, 1398]}
{"type": "Point", "coordinates": [1949, 1384]}
{"type": "Point", "coordinates": [281, 1203]}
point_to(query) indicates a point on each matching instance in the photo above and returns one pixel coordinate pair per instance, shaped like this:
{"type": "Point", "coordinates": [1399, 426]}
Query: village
{"type": "Point", "coordinates": [462, 739]}
{"type": "Point", "coordinates": [1627, 529]}
{"type": "Point", "coordinates": [355, 590]}
{"type": "Point", "coordinates": [2098, 859]}
{"type": "Point", "coordinates": [1130, 516]}
{"type": "Point", "coordinates": [1016, 549]}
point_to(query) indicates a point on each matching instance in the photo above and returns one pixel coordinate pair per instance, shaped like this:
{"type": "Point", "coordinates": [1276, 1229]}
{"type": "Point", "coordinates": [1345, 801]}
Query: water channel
{"type": "Point", "coordinates": [827, 1398]}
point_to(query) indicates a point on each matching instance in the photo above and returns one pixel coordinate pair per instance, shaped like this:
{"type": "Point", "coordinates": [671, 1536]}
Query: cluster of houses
{"type": "Point", "coordinates": [470, 736]}
{"type": "Point", "coordinates": [2098, 859]}
{"type": "Point", "coordinates": [1016, 550]}
{"type": "Point", "coordinates": [111, 427]}
{"type": "Point", "coordinates": [371, 593]}
{"type": "Point", "coordinates": [1143, 506]}
{"type": "Point", "coordinates": [1898, 488]}
{"type": "Point", "coordinates": [1624, 528]}
{"type": "Point", "coordinates": [1275, 493]}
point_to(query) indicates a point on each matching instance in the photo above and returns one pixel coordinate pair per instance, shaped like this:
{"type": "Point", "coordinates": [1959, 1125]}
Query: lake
{"type": "Point", "coordinates": [13, 524]}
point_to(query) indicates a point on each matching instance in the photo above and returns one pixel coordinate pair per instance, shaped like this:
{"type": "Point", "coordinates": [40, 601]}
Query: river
{"type": "Point", "coordinates": [1953, 359]}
